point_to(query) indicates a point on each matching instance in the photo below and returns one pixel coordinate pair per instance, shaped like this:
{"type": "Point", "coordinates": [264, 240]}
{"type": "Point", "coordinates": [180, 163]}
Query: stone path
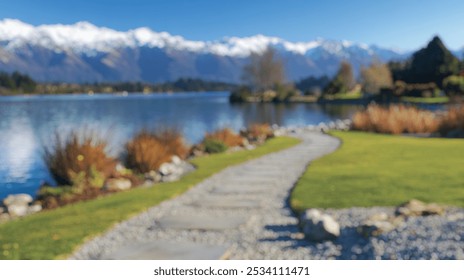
{"type": "Point", "coordinates": [239, 213]}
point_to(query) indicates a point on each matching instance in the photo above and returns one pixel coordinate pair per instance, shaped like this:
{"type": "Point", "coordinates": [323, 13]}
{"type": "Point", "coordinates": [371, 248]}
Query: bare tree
{"type": "Point", "coordinates": [343, 81]}
{"type": "Point", "coordinates": [264, 70]}
{"type": "Point", "coordinates": [375, 77]}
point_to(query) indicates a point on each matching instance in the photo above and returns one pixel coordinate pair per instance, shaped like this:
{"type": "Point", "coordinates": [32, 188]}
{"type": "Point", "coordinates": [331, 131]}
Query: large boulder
{"type": "Point", "coordinates": [17, 199]}
{"type": "Point", "coordinates": [168, 168]}
{"type": "Point", "coordinates": [17, 204]}
{"type": "Point", "coordinates": [117, 184]}
{"type": "Point", "coordinates": [319, 227]}
{"type": "Point", "coordinates": [34, 209]}
{"type": "Point", "coordinates": [416, 207]}
{"type": "Point", "coordinates": [18, 210]}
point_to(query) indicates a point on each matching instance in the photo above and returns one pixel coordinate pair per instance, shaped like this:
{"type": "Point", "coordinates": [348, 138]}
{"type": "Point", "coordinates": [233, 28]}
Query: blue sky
{"type": "Point", "coordinates": [406, 24]}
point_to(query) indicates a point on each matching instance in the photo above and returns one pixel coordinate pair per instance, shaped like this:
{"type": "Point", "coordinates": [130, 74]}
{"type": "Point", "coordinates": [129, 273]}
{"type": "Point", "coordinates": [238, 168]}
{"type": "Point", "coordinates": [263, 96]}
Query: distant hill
{"type": "Point", "coordinates": [85, 53]}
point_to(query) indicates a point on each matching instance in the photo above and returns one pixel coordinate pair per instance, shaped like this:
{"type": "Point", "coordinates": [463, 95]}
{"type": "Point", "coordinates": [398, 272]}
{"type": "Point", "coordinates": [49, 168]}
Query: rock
{"type": "Point", "coordinates": [34, 209]}
{"type": "Point", "coordinates": [455, 217]}
{"type": "Point", "coordinates": [153, 177]}
{"type": "Point", "coordinates": [2, 210]}
{"type": "Point", "coordinates": [418, 208]}
{"type": "Point", "coordinates": [378, 224]}
{"type": "Point", "coordinates": [332, 125]}
{"type": "Point", "coordinates": [322, 127]}
{"type": "Point", "coordinates": [118, 184]}
{"type": "Point", "coordinates": [167, 169]}
{"type": "Point", "coordinates": [17, 199]}
{"type": "Point", "coordinates": [170, 178]}
{"type": "Point", "coordinates": [319, 227]}
{"type": "Point", "coordinates": [176, 160]}
{"type": "Point", "coordinates": [17, 210]}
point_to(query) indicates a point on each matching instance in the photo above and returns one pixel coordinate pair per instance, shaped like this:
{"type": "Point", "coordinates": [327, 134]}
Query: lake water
{"type": "Point", "coordinates": [27, 124]}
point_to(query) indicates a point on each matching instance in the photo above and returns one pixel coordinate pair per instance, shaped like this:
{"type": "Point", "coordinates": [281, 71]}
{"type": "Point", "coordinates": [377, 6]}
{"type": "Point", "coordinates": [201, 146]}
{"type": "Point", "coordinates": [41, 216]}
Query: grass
{"type": "Point", "coordinates": [55, 234]}
{"type": "Point", "coordinates": [348, 95]}
{"type": "Point", "coordinates": [381, 170]}
{"type": "Point", "coordinates": [426, 100]}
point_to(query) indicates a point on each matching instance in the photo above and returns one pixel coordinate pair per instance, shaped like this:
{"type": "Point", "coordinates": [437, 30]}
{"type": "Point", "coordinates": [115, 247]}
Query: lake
{"type": "Point", "coordinates": [28, 123]}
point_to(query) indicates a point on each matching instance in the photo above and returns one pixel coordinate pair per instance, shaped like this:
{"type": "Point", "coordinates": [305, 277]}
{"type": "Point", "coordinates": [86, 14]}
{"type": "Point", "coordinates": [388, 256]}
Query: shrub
{"type": "Point", "coordinates": [454, 85]}
{"type": "Point", "coordinates": [214, 146]}
{"type": "Point", "coordinates": [173, 142]}
{"type": "Point", "coordinates": [258, 132]}
{"type": "Point", "coordinates": [242, 94]}
{"type": "Point", "coordinates": [452, 123]}
{"type": "Point", "coordinates": [79, 160]}
{"type": "Point", "coordinates": [395, 120]}
{"type": "Point", "coordinates": [226, 136]}
{"type": "Point", "coordinates": [148, 150]}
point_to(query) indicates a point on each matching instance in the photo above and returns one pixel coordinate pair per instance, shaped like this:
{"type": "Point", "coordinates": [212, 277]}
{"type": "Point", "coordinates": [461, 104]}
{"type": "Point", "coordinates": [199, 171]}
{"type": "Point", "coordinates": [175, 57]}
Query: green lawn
{"type": "Point", "coordinates": [55, 234]}
{"type": "Point", "coordinates": [381, 170]}
{"type": "Point", "coordinates": [348, 95]}
{"type": "Point", "coordinates": [426, 100]}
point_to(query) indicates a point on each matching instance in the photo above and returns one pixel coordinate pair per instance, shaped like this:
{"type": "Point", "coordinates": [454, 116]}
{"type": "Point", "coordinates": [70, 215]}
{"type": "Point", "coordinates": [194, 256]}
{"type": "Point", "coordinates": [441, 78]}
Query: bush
{"type": "Point", "coordinates": [242, 94]}
{"type": "Point", "coordinates": [452, 123]}
{"type": "Point", "coordinates": [226, 136]}
{"type": "Point", "coordinates": [148, 150]}
{"type": "Point", "coordinates": [284, 93]}
{"type": "Point", "coordinates": [395, 120]}
{"type": "Point", "coordinates": [454, 85]}
{"type": "Point", "coordinates": [79, 160]}
{"type": "Point", "coordinates": [173, 141]}
{"type": "Point", "coordinates": [258, 132]}
{"type": "Point", "coordinates": [214, 146]}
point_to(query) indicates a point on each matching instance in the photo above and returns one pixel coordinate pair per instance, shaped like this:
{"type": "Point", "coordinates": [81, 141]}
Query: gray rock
{"type": "Point", "coordinates": [170, 178]}
{"type": "Point", "coordinates": [168, 168]}
{"type": "Point", "coordinates": [176, 160]}
{"type": "Point", "coordinates": [416, 207]}
{"type": "Point", "coordinates": [118, 184]}
{"type": "Point", "coordinates": [319, 227]}
{"type": "Point", "coordinates": [17, 210]}
{"type": "Point", "coordinates": [378, 224]}
{"type": "Point", "coordinates": [17, 199]}
{"type": "Point", "coordinates": [153, 177]}
{"type": "Point", "coordinates": [34, 209]}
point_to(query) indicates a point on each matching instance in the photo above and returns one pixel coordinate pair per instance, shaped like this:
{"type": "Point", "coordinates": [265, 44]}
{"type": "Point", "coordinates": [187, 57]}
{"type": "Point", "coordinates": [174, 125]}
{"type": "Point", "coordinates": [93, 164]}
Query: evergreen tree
{"type": "Point", "coordinates": [430, 64]}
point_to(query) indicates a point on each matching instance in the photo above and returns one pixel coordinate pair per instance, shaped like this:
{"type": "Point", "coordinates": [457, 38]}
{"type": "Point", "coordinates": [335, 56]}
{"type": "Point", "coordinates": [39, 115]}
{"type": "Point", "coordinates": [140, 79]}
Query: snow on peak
{"type": "Point", "coordinates": [84, 37]}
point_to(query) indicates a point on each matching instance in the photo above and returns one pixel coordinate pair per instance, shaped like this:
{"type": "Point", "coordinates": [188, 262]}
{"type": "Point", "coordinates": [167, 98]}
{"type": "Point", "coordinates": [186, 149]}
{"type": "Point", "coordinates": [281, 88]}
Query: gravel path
{"type": "Point", "coordinates": [242, 213]}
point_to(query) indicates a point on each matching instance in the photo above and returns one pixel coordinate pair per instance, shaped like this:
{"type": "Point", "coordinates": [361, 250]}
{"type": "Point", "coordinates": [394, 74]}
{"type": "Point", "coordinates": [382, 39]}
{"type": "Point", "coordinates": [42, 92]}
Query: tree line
{"type": "Point", "coordinates": [17, 83]}
{"type": "Point", "coordinates": [429, 72]}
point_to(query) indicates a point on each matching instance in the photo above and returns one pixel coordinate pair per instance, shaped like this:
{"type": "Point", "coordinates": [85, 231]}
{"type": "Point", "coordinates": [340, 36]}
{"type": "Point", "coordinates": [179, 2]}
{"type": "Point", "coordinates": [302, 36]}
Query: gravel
{"type": "Point", "coordinates": [272, 232]}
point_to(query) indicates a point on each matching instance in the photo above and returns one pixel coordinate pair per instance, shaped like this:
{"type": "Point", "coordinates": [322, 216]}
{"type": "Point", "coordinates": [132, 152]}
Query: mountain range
{"type": "Point", "coordinates": [83, 52]}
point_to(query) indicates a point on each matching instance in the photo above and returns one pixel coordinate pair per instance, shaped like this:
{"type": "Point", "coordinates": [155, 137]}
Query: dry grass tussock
{"type": "Point", "coordinates": [453, 122]}
{"type": "Point", "coordinates": [148, 150]}
{"type": "Point", "coordinates": [395, 120]}
{"type": "Point", "coordinates": [79, 156]}
{"type": "Point", "coordinates": [226, 136]}
{"type": "Point", "coordinates": [258, 132]}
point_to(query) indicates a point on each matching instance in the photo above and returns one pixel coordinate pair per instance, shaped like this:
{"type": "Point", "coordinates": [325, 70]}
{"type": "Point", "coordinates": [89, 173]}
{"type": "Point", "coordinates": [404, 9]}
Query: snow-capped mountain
{"type": "Point", "coordinates": [83, 52]}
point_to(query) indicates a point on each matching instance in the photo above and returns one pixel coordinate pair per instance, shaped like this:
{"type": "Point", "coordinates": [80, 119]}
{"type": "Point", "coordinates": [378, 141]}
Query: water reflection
{"type": "Point", "coordinates": [26, 124]}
